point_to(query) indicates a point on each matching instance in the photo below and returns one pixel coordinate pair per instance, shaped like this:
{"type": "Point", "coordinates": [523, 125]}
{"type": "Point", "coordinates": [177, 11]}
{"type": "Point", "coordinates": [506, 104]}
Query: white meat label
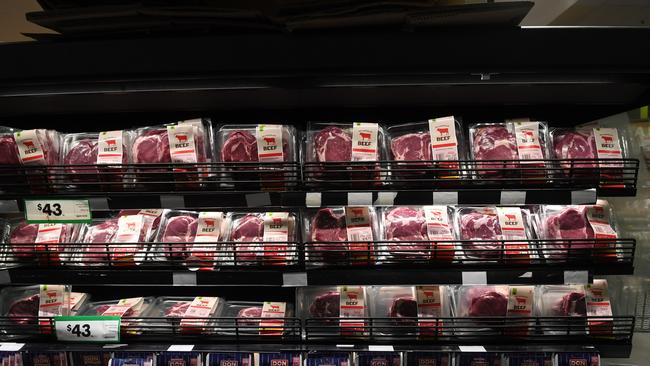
{"type": "Point", "coordinates": [110, 147]}
{"type": "Point", "coordinates": [597, 217]}
{"type": "Point", "coordinates": [352, 305]}
{"type": "Point", "coordinates": [511, 222]}
{"type": "Point", "coordinates": [30, 148]}
{"type": "Point", "coordinates": [520, 301]}
{"type": "Point", "coordinates": [273, 318]}
{"type": "Point", "coordinates": [607, 143]}
{"type": "Point", "coordinates": [123, 306]}
{"type": "Point", "coordinates": [269, 143]}
{"type": "Point", "coordinates": [54, 300]}
{"type": "Point", "coordinates": [182, 147]}
{"type": "Point", "coordinates": [208, 227]}
{"type": "Point", "coordinates": [437, 220]}
{"type": "Point", "coordinates": [150, 215]}
{"type": "Point", "coordinates": [276, 234]}
{"type": "Point", "coordinates": [528, 144]}
{"type": "Point", "coordinates": [129, 228]}
{"type": "Point", "coordinates": [444, 144]}
{"type": "Point", "coordinates": [597, 297]}
{"type": "Point", "coordinates": [49, 233]}
{"type": "Point", "coordinates": [357, 221]}
{"type": "Point", "coordinates": [364, 141]}
{"type": "Point", "coordinates": [429, 302]}
{"type": "Point", "coordinates": [201, 307]}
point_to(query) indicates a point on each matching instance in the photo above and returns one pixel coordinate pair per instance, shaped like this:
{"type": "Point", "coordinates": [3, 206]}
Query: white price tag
{"type": "Point", "coordinates": [472, 349]}
{"type": "Point", "coordinates": [87, 328]}
{"type": "Point", "coordinates": [43, 211]}
{"type": "Point", "coordinates": [380, 348]}
{"type": "Point", "coordinates": [11, 347]}
{"type": "Point", "coordinates": [180, 348]}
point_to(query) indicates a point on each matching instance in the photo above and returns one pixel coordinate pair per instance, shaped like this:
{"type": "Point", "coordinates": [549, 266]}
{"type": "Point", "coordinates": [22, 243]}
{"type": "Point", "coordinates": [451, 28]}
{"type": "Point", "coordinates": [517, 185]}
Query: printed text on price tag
{"type": "Point", "coordinates": [43, 211]}
{"type": "Point", "coordinates": [87, 328]}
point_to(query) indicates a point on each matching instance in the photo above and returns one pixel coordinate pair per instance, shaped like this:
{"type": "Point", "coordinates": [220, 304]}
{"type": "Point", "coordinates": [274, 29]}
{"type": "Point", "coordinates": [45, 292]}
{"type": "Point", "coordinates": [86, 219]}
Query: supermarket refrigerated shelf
{"type": "Point", "coordinates": [612, 336]}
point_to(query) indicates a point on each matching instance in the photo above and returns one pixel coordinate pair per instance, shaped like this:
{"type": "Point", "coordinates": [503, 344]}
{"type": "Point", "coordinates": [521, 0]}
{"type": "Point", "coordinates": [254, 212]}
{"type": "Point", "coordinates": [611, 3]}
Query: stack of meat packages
{"type": "Point", "coordinates": [243, 147]}
{"type": "Point", "coordinates": [355, 146]}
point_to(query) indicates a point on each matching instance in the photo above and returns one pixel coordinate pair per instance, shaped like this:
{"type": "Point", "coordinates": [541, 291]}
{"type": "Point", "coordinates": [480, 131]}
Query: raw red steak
{"type": "Point", "coordinates": [570, 223]}
{"type": "Point", "coordinates": [571, 304]}
{"type": "Point", "coordinates": [101, 233]}
{"type": "Point", "coordinates": [328, 226]}
{"type": "Point", "coordinates": [404, 224]}
{"type": "Point", "coordinates": [489, 303]}
{"type": "Point", "coordinates": [480, 226]}
{"type": "Point", "coordinates": [152, 147]}
{"type": "Point", "coordinates": [22, 239]}
{"type": "Point", "coordinates": [326, 305]}
{"type": "Point", "coordinates": [27, 307]}
{"type": "Point", "coordinates": [177, 310]}
{"type": "Point", "coordinates": [333, 144]}
{"type": "Point", "coordinates": [8, 151]}
{"type": "Point", "coordinates": [412, 146]}
{"type": "Point", "coordinates": [249, 228]}
{"type": "Point", "coordinates": [180, 230]}
{"type": "Point", "coordinates": [241, 146]}
{"type": "Point", "coordinates": [494, 143]}
{"type": "Point", "coordinates": [84, 152]}
{"type": "Point", "coordinates": [574, 145]}
{"type": "Point", "coordinates": [252, 312]}
{"type": "Point", "coordinates": [403, 307]}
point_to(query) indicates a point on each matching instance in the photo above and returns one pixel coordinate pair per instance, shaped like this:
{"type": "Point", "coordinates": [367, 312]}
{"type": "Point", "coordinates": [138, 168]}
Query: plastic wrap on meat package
{"type": "Point", "coordinates": [125, 308]}
{"type": "Point", "coordinates": [152, 218]}
{"type": "Point", "coordinates": [340, 236]}
{"type": "Point", "coordinates": [181, 309]}
{"type": "Point", "coordinates": [479, 359]}
{"type": "Point", "coordinates": [579, 226]}
{"type": "Point", "coordinates": [280, 359]}
{"type": "Point", "coordinates": [333, 143]}
{"type": "Point", "coordinates": [245, 317]}
{"type": "Point", "coordinates": [482, 230]}
{"type": "Point", "coordinates": [438, 143]}
{"type": "Point", "coordinates": [416, 231]}
{"type": "Point", "coordinates": [130, 242]}
{"type": "Point", "coordinates": [229, 359]}
{"type": "Point", "coordinates": [479, 301]}
{"type": "Point", "coordinates": [328, 359]}
{"type": "Point", "coordinates": [562, 301]}
{"type": "Point", "coordinates": [263, 238]}
{"type": "Point", "coordinates": [188, 145]}
{"type": "Point", "coordinates": [316, 305]}
{"type": "Point", "coordinates": [378, 359]}
{"type": "Point", "coordinates": [525, 144]}
{"type": "Point", "coordinates": [94, 248]}
{"type": "Point", "coordinates": [22, 304]}
{"type": "Point", "coordinates": [89, 358]}
{"type": "Point", "coordinates": [428, 359]}
{"type": "Point", "coordinates": [25, 240]}
{"type": "Point", "coordinates": [88, 157]}
{"type": "Point", "coordinates": [244, 145]}
{"type": "Point", "coordinates": [577, 359]}
{"type": "Point", "coordinates": [29, 148]}
{"type": "Point", "coordinates": [179, 359]}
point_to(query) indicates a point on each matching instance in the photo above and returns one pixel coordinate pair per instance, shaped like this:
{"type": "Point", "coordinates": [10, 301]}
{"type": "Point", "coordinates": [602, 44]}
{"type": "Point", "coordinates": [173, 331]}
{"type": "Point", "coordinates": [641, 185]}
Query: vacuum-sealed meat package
{"type": "Point", "coordinates": [268, 145]}
{"type": "Point", "coordinates": [436, 146]}
{"type": "Point", "coordinates": [510, 149]}
{"type": "Point", "coordinates": [98, 237]}
{"type": "Point", "coordinates": [126, 308]}
{"type": "Point", "coordinates": [347, 303]}
{"type": "Point", "coordinates": [263, 238]}
{"type": "Point", "coordinates": [42, 243]}
{"type": "Point", "coordinates": [583, 230]}
{"type": "Point", "coordinates": [342, 154]}
{"type": "Point", "coordinates": [416, 231]}
{"type": "Point", "coordinates": [262, 318]}
{"type": "Point", "coordinates": [340, 235]}
{"type": "Point", "coordinates": [187, 314]}
{"type": "Point", "coordinates": [130, 241]}
{"type": "Point", "coordinates": [562, 301]}
{"type": "Point", "coordinates": [32, 306]}
{"type": "Point", "coordinates": [93, 160]}
{"type": "Point", "coordinates": [481, 301]}
{"type": "Point", "coordinates": [485, 229]}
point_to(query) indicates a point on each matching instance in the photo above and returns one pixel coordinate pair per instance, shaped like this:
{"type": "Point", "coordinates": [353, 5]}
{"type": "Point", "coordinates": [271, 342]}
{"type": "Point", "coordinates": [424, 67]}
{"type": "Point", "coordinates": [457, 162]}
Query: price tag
{"type": "Point", "coordinates": [43, 211]}
{"type": "Point", "coordinates": [87, 328]}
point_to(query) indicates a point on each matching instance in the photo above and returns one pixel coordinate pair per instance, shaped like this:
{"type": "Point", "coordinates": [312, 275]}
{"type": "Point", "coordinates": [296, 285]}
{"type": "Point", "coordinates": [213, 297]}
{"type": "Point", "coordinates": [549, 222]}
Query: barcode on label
{"type": "Point", "coordinates": [441, 157]}
{"type": "Point", "coordinates": [358, 237]}
{"type": "Point", "coordinates": [526, 156]}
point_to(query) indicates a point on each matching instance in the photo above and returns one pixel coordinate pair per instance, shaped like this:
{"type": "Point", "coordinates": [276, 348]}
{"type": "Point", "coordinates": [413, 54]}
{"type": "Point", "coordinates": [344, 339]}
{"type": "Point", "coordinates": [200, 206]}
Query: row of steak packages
{"type": "Point", "coordinates": [90, 358]}
{"type": "Point", "coordinates": [332, 236]}
{"type": "Point", "coordinates": [428, 303]}
{"type": "Point", "coordinates": [23, 303]}
{"type": "Point", "coordinates": [193, 141]}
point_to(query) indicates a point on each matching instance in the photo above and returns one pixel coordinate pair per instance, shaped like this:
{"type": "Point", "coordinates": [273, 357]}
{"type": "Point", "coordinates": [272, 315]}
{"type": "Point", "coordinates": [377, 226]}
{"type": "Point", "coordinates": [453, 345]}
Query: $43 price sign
{"type": "Point", "coordinates": [65, 211]}
{"type": "Point", "coordinates": [87, 328]}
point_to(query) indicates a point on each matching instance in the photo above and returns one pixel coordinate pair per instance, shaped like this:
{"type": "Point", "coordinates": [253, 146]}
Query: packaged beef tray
{"type": "Point", "coordinates": [89, 156]}
{"type": "Point", "coordinates": [424, 225]}
{"type": "Point", "coordinates": [428, 359]}
{"type": "Point", "coordinates": [249, 317]}
{"type": "Point", "coordinates": [183, 311]}
{"type": "Point", "coordinates": [263, 238]}
{"type": "Point", "coordinates": [579, 226]}
{"type": "Point", "coordinates": [23, 304]}
{"type": "Point", "coordinates": [586, 143]}
{"type": "Point", "coordinates": [347, 303]}
{"type": "Point", "coordinates": [229, 359]}
{"type": "Point", "coordinates": [344, 143]}
{"type": "Point", "coordinates": [523, 144]}
{"type": "Point", "coordinates": [25, 240]}
{"type": "Point", "coordinates": [328, 359]}
{"type": "Point", "coordinates": [438, 143]}
{"type": "Point", "coordinates": [191, 238]}
{"type": "Point", "coordinates": [186, 142]}
{"type": "Point", "coordinates": [97, 235]}
{"type": "Point", "coordinates": [483, 229]}
{"type": "Point", "coordinates": [127, 308]}
{"type": "Point", "coordinates": [379, 359]}
{"type": "Point", "coordinates": [340, 235]}
{"type": "Point", "coordinates": [262, 143]}
{"type": "Point", "coordinates": [562, 300]}
{"type": "Point", "coordinates": [481, 301]}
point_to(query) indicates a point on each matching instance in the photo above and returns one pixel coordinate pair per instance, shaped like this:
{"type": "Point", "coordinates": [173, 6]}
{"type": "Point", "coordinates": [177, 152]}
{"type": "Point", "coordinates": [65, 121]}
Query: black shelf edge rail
{"type": "Point", "coordinates": [245, 255]}
{"type": "Point", "coordinates": [609, 176]}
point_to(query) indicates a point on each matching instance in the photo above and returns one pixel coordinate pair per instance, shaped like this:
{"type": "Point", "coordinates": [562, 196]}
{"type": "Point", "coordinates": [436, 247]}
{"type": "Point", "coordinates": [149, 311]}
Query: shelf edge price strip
{"type": "Point", "coordinates": [93, 329]}
{"type": "Point", "coordinates": [65, 211]}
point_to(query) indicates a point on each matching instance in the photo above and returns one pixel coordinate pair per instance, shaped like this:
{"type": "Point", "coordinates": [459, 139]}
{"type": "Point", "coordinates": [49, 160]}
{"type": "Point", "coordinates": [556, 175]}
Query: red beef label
{"type": "Point", "coordinates": [607, 144]}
